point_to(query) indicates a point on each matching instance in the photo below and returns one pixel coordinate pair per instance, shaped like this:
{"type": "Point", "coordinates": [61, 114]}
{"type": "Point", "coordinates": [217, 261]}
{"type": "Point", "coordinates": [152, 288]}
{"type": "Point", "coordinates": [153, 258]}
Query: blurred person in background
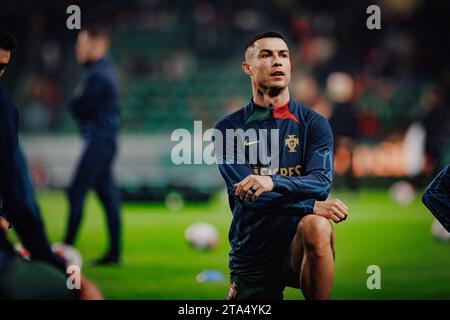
{"type": "Point", "coordinates": [43, 277]}
{"type": "Point", "coordinates": [306, 90]}
{"type": "Point", "coordinates": [344, 123]}
{"type": "Point", "coordinates": [94, 107]}
{"type": "Point", "coordinates": [436, 128]}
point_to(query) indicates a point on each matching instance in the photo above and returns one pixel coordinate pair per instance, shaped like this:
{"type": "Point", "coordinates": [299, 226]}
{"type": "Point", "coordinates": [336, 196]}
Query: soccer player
{"type": "Point", "coordinates": [437, 197]}
{"type": "Point", "coordinates": [280, 234]}
{"type": "Point", "coordinates": [43, 277]}
{"type": "Point", "coordinates": [18, 204]}
{"type": "Point", "coordinates": [8, 144]}
{"type": "Point", "coordinates": [94, 108]}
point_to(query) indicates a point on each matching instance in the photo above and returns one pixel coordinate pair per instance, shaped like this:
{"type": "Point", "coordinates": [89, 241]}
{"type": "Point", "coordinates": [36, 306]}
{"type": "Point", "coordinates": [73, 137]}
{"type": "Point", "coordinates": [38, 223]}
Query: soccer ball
{"type": "Point", "coordinates": [202, 236]}
{"type": "Point", "coordinates": [402, 192]}
{"type": "Point", "coordinates": [68, 253]}
{"type": "Point", "coordinates": [439, 232]}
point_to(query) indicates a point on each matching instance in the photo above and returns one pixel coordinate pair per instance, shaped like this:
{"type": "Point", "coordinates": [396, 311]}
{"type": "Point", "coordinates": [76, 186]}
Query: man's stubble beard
{"type": "Point", "coordinates": [265, 88]}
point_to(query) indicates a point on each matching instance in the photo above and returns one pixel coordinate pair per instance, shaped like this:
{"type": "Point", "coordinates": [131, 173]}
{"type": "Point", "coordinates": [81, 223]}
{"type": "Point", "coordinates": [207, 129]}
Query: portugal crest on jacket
{"type": "Point", "coordinates": [292, 142]}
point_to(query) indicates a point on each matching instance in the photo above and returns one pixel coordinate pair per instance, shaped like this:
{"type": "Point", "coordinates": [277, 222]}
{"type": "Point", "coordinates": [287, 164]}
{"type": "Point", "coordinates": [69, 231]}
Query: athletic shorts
{"type": "Point", "coordinates": [266, 283]}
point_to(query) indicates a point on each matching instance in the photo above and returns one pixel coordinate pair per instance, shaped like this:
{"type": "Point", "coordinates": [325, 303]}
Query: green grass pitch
{"type": "Point", "coordinates": [159, 264]}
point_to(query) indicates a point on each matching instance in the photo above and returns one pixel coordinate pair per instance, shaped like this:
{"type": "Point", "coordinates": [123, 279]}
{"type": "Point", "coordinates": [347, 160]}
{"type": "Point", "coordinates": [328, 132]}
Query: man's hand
{"type": "Point", "coordinates": [333, 209]}
{"type": "Point", "coordinates": [4, 224]}
{"type": "Point", "coordinates": [253, 186]}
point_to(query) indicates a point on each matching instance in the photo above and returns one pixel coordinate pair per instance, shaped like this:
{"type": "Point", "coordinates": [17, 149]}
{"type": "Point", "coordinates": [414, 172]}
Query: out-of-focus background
{"type": "Point", "coordinates": [385, 93]}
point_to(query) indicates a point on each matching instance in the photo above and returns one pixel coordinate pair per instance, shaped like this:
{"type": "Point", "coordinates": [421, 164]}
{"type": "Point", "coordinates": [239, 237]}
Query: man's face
{"type": "Point", "coordinates": [268, 63]}
{"type": "Point", "coordinates": [89, 48]}
{"type": "Point", "coordinates": [5, 55]}
{"type": "Point", "coordinates": [83, 47]}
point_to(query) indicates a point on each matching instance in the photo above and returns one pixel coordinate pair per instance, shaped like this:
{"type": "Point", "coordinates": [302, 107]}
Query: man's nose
{"type": "Point", "coordinates": [277, 61]}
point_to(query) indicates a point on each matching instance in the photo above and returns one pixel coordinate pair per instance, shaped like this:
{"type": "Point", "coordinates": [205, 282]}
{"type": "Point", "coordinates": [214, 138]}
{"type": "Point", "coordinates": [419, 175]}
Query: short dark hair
{"type": "Point", "coordinates": [97, 31]}
{"type": "Point", "coordinates": [7, 41]}
{"type": "Point", "coordinates": [268, 34]}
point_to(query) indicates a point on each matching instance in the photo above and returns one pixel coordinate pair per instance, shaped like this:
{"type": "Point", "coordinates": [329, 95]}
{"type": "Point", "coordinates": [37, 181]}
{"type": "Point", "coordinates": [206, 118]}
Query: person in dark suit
{"type": "Point", "coordinates": [94, 107]}
{"type": "Point", "coordinates": [44, 277]}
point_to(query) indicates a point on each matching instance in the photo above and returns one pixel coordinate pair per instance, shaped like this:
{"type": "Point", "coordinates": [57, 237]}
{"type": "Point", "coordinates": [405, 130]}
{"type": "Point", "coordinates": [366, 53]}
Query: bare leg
{"type": "Point", "coordinates": [312, 257]}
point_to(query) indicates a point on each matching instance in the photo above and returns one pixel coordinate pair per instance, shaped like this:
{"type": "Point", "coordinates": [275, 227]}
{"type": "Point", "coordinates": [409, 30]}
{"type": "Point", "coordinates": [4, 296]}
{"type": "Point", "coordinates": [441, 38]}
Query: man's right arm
{"type": "Point", "coordinates": [233, 172]}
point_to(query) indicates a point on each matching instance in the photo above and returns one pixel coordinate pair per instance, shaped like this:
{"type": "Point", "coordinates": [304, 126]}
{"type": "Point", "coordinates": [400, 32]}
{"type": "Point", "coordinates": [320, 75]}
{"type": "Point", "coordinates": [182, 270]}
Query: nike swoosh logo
{"type": "Point", "coordinates": [249, 143]}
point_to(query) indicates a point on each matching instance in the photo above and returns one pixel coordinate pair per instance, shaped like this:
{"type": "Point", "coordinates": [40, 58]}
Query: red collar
{"type": "Point", "coordinates": [284, 113]}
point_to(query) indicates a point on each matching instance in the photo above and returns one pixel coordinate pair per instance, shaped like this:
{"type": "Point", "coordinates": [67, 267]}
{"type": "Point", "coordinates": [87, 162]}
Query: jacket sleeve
{"type": "Point", "coordinates": [17, 194]}
{"type": "Point", "coordinates": [234, 172]}
{"type": "Point", "coordinates": [8, 145]}
{"type": "Point", "coordinates": [316, 181]}
{"type": "Point", "coordinates": [26, 217]}
{"type": "Point", "coordinates": [437, 197]}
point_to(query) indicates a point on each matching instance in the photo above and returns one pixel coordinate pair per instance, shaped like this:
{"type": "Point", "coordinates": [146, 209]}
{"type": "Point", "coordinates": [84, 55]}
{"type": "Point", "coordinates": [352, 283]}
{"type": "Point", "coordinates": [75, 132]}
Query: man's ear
{"type": "Point", "coordinates": [246, 68]}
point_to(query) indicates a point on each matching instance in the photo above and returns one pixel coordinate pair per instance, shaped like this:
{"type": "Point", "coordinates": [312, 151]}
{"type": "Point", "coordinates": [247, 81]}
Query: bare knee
{"type": "Point", "coordinates": [316, 233]}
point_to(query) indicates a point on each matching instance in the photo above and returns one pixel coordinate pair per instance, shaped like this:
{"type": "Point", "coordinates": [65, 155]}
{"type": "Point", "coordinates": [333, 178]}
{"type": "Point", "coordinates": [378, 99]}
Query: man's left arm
{"type": "Point", "coordinates": [313, 187]}
{"type": "Point", "coordinates": [318, 168]}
